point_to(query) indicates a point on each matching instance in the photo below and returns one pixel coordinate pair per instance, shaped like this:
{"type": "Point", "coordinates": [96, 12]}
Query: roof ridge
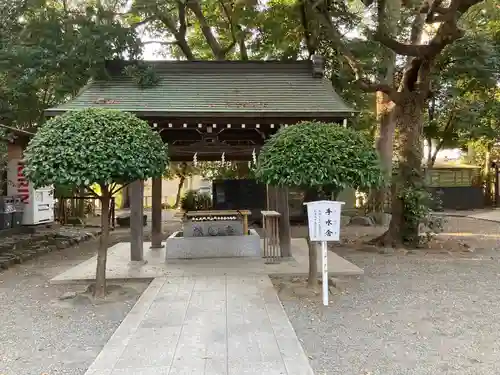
{"type": "Point", "coordinates": [214, 62]}
{"type": "Point", "coordinates": [117, 66]}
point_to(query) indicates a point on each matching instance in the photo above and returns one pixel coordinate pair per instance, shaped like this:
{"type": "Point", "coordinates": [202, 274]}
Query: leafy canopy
{"type": "Point", "coordinates": [50, 49]}
{"type": "Point", "coordinates": [90, 146]}
{"type": "Point", "coordinates": [319, 155]}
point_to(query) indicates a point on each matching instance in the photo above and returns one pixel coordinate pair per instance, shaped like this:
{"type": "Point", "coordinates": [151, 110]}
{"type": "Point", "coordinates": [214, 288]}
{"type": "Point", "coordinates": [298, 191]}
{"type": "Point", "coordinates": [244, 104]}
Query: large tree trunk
{"type": "Point", "coordinates": [389, 14]}
{"type": "Point", "coordinates": [182, 179]}
{"type": "Point", "coordinates": [409, 120]}
{"type": "Point", "coordinates": [385, 148]}
{"type": "Point", "coordinates": [102, 252]}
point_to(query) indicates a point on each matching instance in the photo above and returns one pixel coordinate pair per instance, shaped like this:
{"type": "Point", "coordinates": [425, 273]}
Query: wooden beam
{"type": "Point", "coordinates": [231, 153]}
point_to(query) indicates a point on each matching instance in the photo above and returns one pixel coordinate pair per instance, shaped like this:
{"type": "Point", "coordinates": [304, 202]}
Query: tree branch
{"type": "Point", "coordinates": [401, 48]}
{"type": "Point", "coordinates": [213, 43]}
{"type": "Point", "coordinates": [387, 89]}
{"type": "Point", "coordinates": [336, 38]}
{"type": "Point", "coordinates": [171, 43]}
{"type": "Point", "coordinates": [93, 192]}
{"type": "Point", "coordinates": [310, 39]}
{"type": "Point", "coordinates": [229, 16]}
{"type": "Point", "coordinates": [243, 48]}
{"type": "Point", "coordinates": [179, 34]}
{"type": "Point", "coordinates": [433, 10]}
{"type": "Point", "coordinates": [439, 146]}
{"type": "Point", "coordinates": [447, 33]}
{"type": "Point", "coordinates": [146, 20]}
{"type": "Point", "coordinates": [351, 60]}
{"type": "Point", "coordinates": [181, 6]}
{"type": "Point", "coordinates": [113, 191]}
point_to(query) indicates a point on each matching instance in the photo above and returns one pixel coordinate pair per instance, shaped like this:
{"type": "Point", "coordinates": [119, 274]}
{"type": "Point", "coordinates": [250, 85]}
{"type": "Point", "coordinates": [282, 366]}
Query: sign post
{"type": "Point", "coordinates": [324, 225]}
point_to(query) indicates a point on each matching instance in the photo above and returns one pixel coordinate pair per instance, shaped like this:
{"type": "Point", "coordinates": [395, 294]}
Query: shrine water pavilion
{"type": "Point", "coordinates": [214, 108]}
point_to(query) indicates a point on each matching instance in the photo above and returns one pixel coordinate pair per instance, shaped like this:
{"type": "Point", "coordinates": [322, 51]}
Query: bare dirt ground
{"type": "Point", "coordinates": [423, 312]}
{"type": "Point", "coordinates": [42, 334]}
{"type": "Point", "coordinates": [460, 234]}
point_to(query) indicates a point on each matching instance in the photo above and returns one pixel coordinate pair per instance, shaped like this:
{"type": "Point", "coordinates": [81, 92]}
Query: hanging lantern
{"type": "Point", "coordinates": [195, 159]}
{"type": "Point", "coordinates": [254, 157]}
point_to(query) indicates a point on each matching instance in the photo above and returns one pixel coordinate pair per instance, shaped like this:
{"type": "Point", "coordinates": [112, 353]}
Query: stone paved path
{"type": "Point", "coordinates": [214, 325]}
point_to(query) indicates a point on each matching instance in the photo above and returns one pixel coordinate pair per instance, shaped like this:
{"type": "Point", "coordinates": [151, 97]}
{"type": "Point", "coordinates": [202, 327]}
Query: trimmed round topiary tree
{"type": "Point", "coordinates": [326, 157]}
{"type": "Point", "coordinates": [319, 155]}
{"type": "Point", "coordinates": [106, 147]}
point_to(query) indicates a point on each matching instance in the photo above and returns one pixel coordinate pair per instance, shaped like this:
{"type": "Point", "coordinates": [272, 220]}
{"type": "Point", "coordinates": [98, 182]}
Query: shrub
{"type": "Point", "coordinates": [95, 147]}
{"type": "Point", "coordinates": [195, 201]}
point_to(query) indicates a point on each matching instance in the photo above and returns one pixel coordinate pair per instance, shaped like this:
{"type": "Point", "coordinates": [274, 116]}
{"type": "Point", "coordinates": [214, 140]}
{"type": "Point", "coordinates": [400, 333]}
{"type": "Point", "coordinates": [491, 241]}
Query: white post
{"type": "Point", "coordinates": [324, 253]}
{"type": "Point", "coordinates": [324, 225]}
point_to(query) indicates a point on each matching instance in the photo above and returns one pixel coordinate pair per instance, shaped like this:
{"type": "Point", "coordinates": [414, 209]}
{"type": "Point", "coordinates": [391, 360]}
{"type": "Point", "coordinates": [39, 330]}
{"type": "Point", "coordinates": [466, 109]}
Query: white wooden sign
{"type": "Point", "coordinates": [324, 225]}
{"type": "Point", "coordinates": [324, 220]}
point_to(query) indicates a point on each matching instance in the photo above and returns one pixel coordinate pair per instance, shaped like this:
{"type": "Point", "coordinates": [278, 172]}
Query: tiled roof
{"type": "Point", "coordinates": [217, 88]}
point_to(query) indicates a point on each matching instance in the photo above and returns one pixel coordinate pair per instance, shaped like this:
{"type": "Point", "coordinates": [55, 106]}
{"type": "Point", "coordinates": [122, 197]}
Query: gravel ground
{"type": "Point", "coordinates": [41, 334]}
{"type": "Point", "coordinates": [415, 314]}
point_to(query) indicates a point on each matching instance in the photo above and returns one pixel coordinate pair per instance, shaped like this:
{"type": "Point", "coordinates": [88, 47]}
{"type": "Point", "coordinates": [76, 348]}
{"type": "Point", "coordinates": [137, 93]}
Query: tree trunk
{"type": "Point", "coordinates": [81, 203]}
{"type": "Point", "coordinates": [409, 120]}
{"type": "Point", "coordinates": [429, 152]}
{"type": "Point", "coordinates": [242, 170]}
{"type": "Point", "coordinates": [313, 264]}
{"type": "Point", "coordinates": [384, 148]}
{"type": "Point", "coordinates": [125, 203]}
{"type": "Point", "coordinates": [177, 203]}
{"type": "Point", "coordinates": [487, 175]}
{"type": "Point", "coordinates": [314, 194]}
{"type": "Point", "coordinates": [389, 14]}
{"type": "Point", "coordinates": [433, 159]}
{"type": "Point", "coordinates": [102, 252]}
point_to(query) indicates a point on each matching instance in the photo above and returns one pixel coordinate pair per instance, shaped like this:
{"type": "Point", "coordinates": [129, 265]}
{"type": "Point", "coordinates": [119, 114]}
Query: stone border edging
{"type": "Point", "coordinates": [24, 250]}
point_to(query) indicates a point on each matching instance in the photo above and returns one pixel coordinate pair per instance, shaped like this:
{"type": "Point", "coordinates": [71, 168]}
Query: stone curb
{"type": "Point", "coordinates": [37, 245]}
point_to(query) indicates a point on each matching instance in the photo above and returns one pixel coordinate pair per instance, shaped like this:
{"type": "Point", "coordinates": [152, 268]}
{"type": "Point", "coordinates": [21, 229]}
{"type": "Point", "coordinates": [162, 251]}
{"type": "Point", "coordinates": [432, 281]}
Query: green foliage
{"type": "Point", "coordinates": [180, 170]}
{"type": "Point", "coordinates": [48, 52]}
{"type": "Point", "coordinates": [314, 154]}
{"type": "Point", "coordinates": [143, 75]}
{"type": "Point", "coordinates": [195, 201]}
{"type": "Point", "coordinates": [94, 146]}
{"type": "Point", "coordinates": [217, 170]}
{"type": "Point", "coordinates": [465, 103]}
{"type": "Point", "coordinates": [418, 206]}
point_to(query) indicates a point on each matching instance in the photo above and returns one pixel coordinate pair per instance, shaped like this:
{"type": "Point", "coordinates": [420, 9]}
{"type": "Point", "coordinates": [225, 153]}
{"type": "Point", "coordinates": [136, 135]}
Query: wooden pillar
{"type": "Point", "coordinates": [277, 200]}
{"type": "Point", "coordinates": [137, 221]}
{"type": "Point", "coordinates": [156, 213]}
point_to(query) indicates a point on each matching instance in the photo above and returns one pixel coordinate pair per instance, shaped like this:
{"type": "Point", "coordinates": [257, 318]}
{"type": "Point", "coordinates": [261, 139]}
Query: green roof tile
{"type": "Point", "coordinates": [219, 88]}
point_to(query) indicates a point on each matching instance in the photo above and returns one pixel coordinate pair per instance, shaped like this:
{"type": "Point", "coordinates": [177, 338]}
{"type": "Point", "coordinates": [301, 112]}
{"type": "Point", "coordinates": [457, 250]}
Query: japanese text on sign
{"type": "Point", "coordinates": [324, 220]}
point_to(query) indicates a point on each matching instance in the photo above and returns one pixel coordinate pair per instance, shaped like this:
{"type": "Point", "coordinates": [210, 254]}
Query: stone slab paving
{"type": "Point", "coordinates": [205, 325]}
{"type": "Point", "coordinates": [119, 266]}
